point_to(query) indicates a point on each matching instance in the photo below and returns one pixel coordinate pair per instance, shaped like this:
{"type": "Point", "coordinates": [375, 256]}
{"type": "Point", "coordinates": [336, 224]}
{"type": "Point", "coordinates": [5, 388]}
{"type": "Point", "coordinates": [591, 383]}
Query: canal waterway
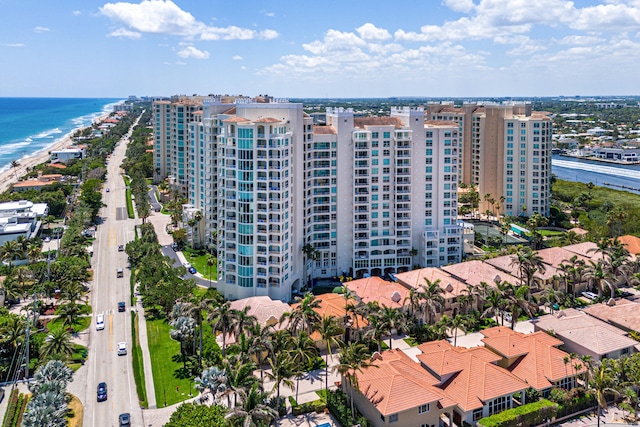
{"type": "Point", "coordinates": [619, 177]}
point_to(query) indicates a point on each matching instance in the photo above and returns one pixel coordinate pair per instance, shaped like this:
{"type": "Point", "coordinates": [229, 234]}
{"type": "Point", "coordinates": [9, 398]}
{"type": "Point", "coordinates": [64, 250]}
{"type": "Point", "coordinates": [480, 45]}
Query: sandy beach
{"type": "Point", "coordinates": [8, 177]}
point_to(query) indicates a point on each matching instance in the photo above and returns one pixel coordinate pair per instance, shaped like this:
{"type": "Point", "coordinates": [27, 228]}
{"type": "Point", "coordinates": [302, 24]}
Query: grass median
{"type": "Point", "coordinates": [138, 364]}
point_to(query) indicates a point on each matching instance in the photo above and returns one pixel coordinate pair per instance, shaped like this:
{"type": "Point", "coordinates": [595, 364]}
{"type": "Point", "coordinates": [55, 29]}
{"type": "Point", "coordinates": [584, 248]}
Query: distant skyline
{"type": "Point", "coordinates": [333, 49]}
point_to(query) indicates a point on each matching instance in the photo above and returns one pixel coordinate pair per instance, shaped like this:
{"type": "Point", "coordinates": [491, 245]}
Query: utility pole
{"type": "Point", "coordinates": [35, 300]}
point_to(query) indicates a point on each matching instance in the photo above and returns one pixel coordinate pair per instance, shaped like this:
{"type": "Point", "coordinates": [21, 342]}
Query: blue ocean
{"type": "Point", "coordinates": [29, 125]}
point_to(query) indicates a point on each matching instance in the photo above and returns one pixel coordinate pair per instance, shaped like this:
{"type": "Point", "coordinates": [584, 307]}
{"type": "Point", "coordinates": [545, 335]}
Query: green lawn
{"type": "Point", "coordinates": [166, 366]}
{"type": "Point", "coordinates": [411, 341]}
{"type": "Point", "coordinates": [79, 325]}
{"type": "Point", "coordinates": [198, 259]}
{"type": "Point", "coordinates": [77, 357]}
{"type": "Point", "coordinates": [547, 233]}
{"type": "Point", "coordinates": [129, 204]}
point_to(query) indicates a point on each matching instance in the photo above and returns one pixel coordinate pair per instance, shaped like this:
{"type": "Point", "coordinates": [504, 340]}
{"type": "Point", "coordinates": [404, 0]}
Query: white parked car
{"type": "Point", "coordinates": [122, 348]}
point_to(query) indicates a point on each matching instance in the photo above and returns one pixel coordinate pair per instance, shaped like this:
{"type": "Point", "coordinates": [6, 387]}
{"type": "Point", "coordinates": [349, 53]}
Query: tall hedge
{"type": "Point", "coordinates": [525, 415]}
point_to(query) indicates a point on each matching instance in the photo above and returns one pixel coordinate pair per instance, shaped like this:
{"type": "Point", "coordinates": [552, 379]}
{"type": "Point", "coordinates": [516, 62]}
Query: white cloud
{"type": "Point", "coordinates": [153, 16]}
{"type": "Point", "coordinates": [41, 29]}
{"type": "Point", "coordinates": [76, 13]}
{"type": "Point", "coordinates": [268, 34]}
{"type": "Point", "coordinates": [577, 40]}
{"type": "Point", "coordinates": [370, 32]}
{"type": "Point", "coordinates": [192, 52]}
{"type": "Point", "coordinates": [459, 5]}
{"type": "Point", "coordinates": [237, 58]}
{"type": "Point", "coordinates": [121, 32]}
{"type": "Point", "coordinates": [165, 17]}
{"type": "Point", "coordinates": [14, 44]}
{"type": "Point", "coordinates": [609, 17]}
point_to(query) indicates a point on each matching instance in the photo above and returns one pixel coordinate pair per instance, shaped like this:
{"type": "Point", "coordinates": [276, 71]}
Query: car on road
{"type": "Point", "coordinates": [174, 246]}
{"type": "Point", "coordinates": [191, 270]}
{"type": "Point", "coordinates": [121, 306]}
{"type": "Point", "coordinates": [120, 273]}
{"type": "Point", "coordinates": [99, 322]}
{"type": "Point", "coordinates": [107, 189]}
{"type": "Point", "coordinates": [124, 419]}
{"type": "Point", "coordinates": [590, 295]}
{"type": "Point", "coordinates": [120, 248]}
{"type": "Point", "coordinates": [47, 239]}
{"type": "Point", "coordinates": [102, 392]}
{"type": "Point", "coordinates": [122, 348]}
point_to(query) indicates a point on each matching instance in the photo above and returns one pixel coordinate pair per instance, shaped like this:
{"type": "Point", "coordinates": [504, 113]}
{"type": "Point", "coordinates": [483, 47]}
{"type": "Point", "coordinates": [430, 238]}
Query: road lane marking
{"type": "Point", "coordinates": [113, 236]}
{"type": "Point", "coordinates": [111, 333]}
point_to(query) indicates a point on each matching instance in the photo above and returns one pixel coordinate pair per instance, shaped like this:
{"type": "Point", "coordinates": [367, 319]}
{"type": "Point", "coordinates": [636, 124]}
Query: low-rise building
{"type": "Point", "coordinates": [586, 335]}
{"type": "Point", "coordinates": [534, 358]}
{"type": "Point", "coordinates": [37, 183]}
{"type": "Point", "coordinates": [67, 154]}
{"type": "Point", "coordinates": [20, 218]}
{"type": "Point", "coordinates": [621, 313]}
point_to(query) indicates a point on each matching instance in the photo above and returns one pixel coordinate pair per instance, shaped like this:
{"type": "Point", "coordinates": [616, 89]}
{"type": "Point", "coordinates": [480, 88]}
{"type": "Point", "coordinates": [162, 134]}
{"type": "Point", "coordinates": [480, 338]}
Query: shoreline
{"type": "Point", "coordinates": [8, 177]}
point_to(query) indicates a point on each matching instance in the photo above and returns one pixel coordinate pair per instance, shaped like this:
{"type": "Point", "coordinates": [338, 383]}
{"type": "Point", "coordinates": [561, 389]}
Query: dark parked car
{"type": "Point", "coordinates": [192, 270]}
{"type": "Point", "coordinates": [120, 248]}
{"type": "Point", "coordinates": [121, 306]}
{"type": "Point", "coordinates": [125, 419]}
{"type": "Point", "coordinates": [102, 392]}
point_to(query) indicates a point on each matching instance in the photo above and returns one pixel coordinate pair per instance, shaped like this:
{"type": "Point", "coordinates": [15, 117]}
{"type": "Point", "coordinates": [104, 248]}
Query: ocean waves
{"type": "Point", "coordinates": [31, 125]}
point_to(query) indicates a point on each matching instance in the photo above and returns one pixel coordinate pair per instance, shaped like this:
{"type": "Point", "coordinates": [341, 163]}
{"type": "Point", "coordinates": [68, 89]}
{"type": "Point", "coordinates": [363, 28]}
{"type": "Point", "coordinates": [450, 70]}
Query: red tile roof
{"type": "Point", "coordinates": [389, 294]}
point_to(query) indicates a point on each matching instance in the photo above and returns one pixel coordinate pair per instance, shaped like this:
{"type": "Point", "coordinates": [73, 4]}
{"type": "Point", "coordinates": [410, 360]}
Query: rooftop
{"type": "Point", "coordinates": [388, 294]}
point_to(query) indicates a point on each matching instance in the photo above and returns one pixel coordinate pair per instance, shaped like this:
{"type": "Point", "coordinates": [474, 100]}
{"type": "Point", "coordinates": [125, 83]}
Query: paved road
{"type": "Point", "coordinates": [177, 261]}
{"type": "Point", "coordinates": [103, 363]}
{"type": "Point", "coordinates": [155, 204]}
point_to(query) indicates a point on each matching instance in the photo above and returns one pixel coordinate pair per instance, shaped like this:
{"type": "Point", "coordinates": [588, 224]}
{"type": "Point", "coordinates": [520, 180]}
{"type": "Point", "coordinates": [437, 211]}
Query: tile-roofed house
{"type": "Point", "coordinates": [42, 180]}
{"type": "Point", "coordinates": [631, 243]}
{"type": "Point", "coordinates": [621, 313]}
{"type": "Point", "coordinates": [333, 305]}
{"type": "Point", "coordinates": [471, 378]}
{"type": "Point", "coordinates": [451, 286]}
{"type": "Point", "coordinates": [543, 278]}
{"type": "Point", "coordinates": [585, 335]}
{"type": "Point", "coordinates": [266, 311]}
{"type": "Point", "coordinates": [558, 255]}
{"type": "Point", "coordinates": [388, 294]}
{"type": "Point", "coordinates": [534, 358]}
{"type": "Point", "coordinates": [475, 272]}
{"type": "Point", "coordinates": [398, 391]}
{"type": "Point", "coordinates": [586, 249]}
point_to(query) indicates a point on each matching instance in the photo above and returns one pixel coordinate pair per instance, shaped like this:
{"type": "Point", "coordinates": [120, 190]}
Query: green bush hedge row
{"type": "Point", "coordinates": [341, 409]}
{"type": "Point", "coordinates": [316, 406]}
{"type": "Point", "coordinates": [11, 408]}
{"type": "Point", "coordinates": [525, 415]}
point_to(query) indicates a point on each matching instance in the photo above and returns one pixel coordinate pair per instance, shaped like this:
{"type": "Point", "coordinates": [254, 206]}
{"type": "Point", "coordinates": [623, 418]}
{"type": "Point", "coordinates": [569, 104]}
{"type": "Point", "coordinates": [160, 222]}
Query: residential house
{"type": "Point", "coordinates": [37, 183]}
{"type": "Point", "coordinates": [472, 378]}
{"type": "Point", "coordinates": [534, 358]}
{"type": "Point", "coordinates": [451, 286]}
{"type": "Point", "coordinates": [586, 335]}
{"type": "Point", "coordinates": [621, 313]}
{"type": "Point", "coordinates": [387, 294]}
{"type": "Point", "coordinates": [543, 278]}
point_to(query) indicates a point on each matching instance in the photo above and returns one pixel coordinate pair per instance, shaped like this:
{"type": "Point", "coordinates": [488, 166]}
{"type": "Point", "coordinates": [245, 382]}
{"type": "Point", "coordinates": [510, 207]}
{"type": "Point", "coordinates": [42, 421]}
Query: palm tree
{"type": "Point", "coordinates": [196, 308]}
{"type": "Point", "coordinates": [528, 263]}
{"type": "Point", "coordinates": [353, 359]}
{"type": "Point", "coordinates": [375, 331]}
{"type": "Point", "coordinates": [282, 369]}
{"type": "Point", "coordinates": [391, 319]}
{"type": "Point", "coordinates": [304, 315]}
{"type": "Point", "coordinates": [329, 332]}
{"type": "Point", "coordinates": [15, 164]}
{"type": "Point", "coordinates": [260, 340]}
{"type": "Point", "coordinates": [239, 376]}
{"type": "Point", "coordinates": [457, 322]}
{"type": "Point", "coordinates": [57, 345]}
{"type": "Point", "coordinates": [414, 298]}
{"type": "Point", "coordinates": [223, 319]}
{"type": "Point", "coordinates": [602, 382]}
{"type": "Point", "coordinates": [244, 320]}
{"type": "Point", "coordinates": [599, 274]}
{"type": "Point", "coordinates": [253, 412]}
{"type": "Point", "coordinates": [69, 313]}
{"type": "Point", "coordinates": [12, 332]}
{"type": "Point", "coordinates": [9, 251]}
{"type": "Point", "coordinates": [211, 261]}
{"type": "Point", "coordinates": [214, 380]}
{"type": "Point", "coordinates": [303, 351]}
{"type": "Point", "coordinates": [182, 330]}
{"type": "Point", "coordinates": [493, 303]}
{"type": "Point", "coordinates": [432, 297]}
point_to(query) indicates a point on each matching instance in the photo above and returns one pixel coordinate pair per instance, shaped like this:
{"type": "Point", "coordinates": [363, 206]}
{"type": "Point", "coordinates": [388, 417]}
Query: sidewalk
{"type": "Point", "coordinates": [146, 356]}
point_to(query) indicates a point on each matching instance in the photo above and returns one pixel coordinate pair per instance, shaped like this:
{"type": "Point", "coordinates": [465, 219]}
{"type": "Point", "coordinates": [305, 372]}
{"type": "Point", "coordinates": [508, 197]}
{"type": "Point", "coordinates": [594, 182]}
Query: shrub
{"type": "Point", "coordinates": [340, 408]}
{"type": "Point", "coordinates": [525, 415]}
{"type": "Point", "coordinates": [11, 408]}
{"type": "Point", "coordinates": [314, 406]}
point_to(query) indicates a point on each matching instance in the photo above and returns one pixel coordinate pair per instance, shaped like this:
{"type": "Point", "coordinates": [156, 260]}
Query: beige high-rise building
{"type": "Point", "coordinates": [506, 153]}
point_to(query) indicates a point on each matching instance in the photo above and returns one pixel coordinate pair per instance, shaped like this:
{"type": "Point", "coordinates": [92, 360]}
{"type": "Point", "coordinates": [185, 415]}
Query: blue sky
{"type": "Point", "coordinates": [346, 48]}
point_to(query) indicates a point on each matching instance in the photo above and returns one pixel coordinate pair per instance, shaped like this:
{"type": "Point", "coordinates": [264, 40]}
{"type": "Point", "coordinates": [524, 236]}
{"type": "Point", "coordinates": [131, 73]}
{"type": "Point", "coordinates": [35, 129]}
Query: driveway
{"type": "Point", "coordinates": [179, 260]}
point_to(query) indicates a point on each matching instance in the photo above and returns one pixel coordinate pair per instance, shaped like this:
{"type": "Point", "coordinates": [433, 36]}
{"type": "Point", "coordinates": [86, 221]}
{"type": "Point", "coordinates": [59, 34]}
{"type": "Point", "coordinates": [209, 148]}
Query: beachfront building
{"type": "Point", "coordinates": [66, 154]}
{"type": "Point", "coordinates": [506, 152]}
{"type": "Point", "coordinates": [171, 120]}
{"type": "Point", "coordinates": [371, 195]}
{"type": "Point", "coordinates": [42, 180]}
{"type": "Point", "coordinates": [20, 218]}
